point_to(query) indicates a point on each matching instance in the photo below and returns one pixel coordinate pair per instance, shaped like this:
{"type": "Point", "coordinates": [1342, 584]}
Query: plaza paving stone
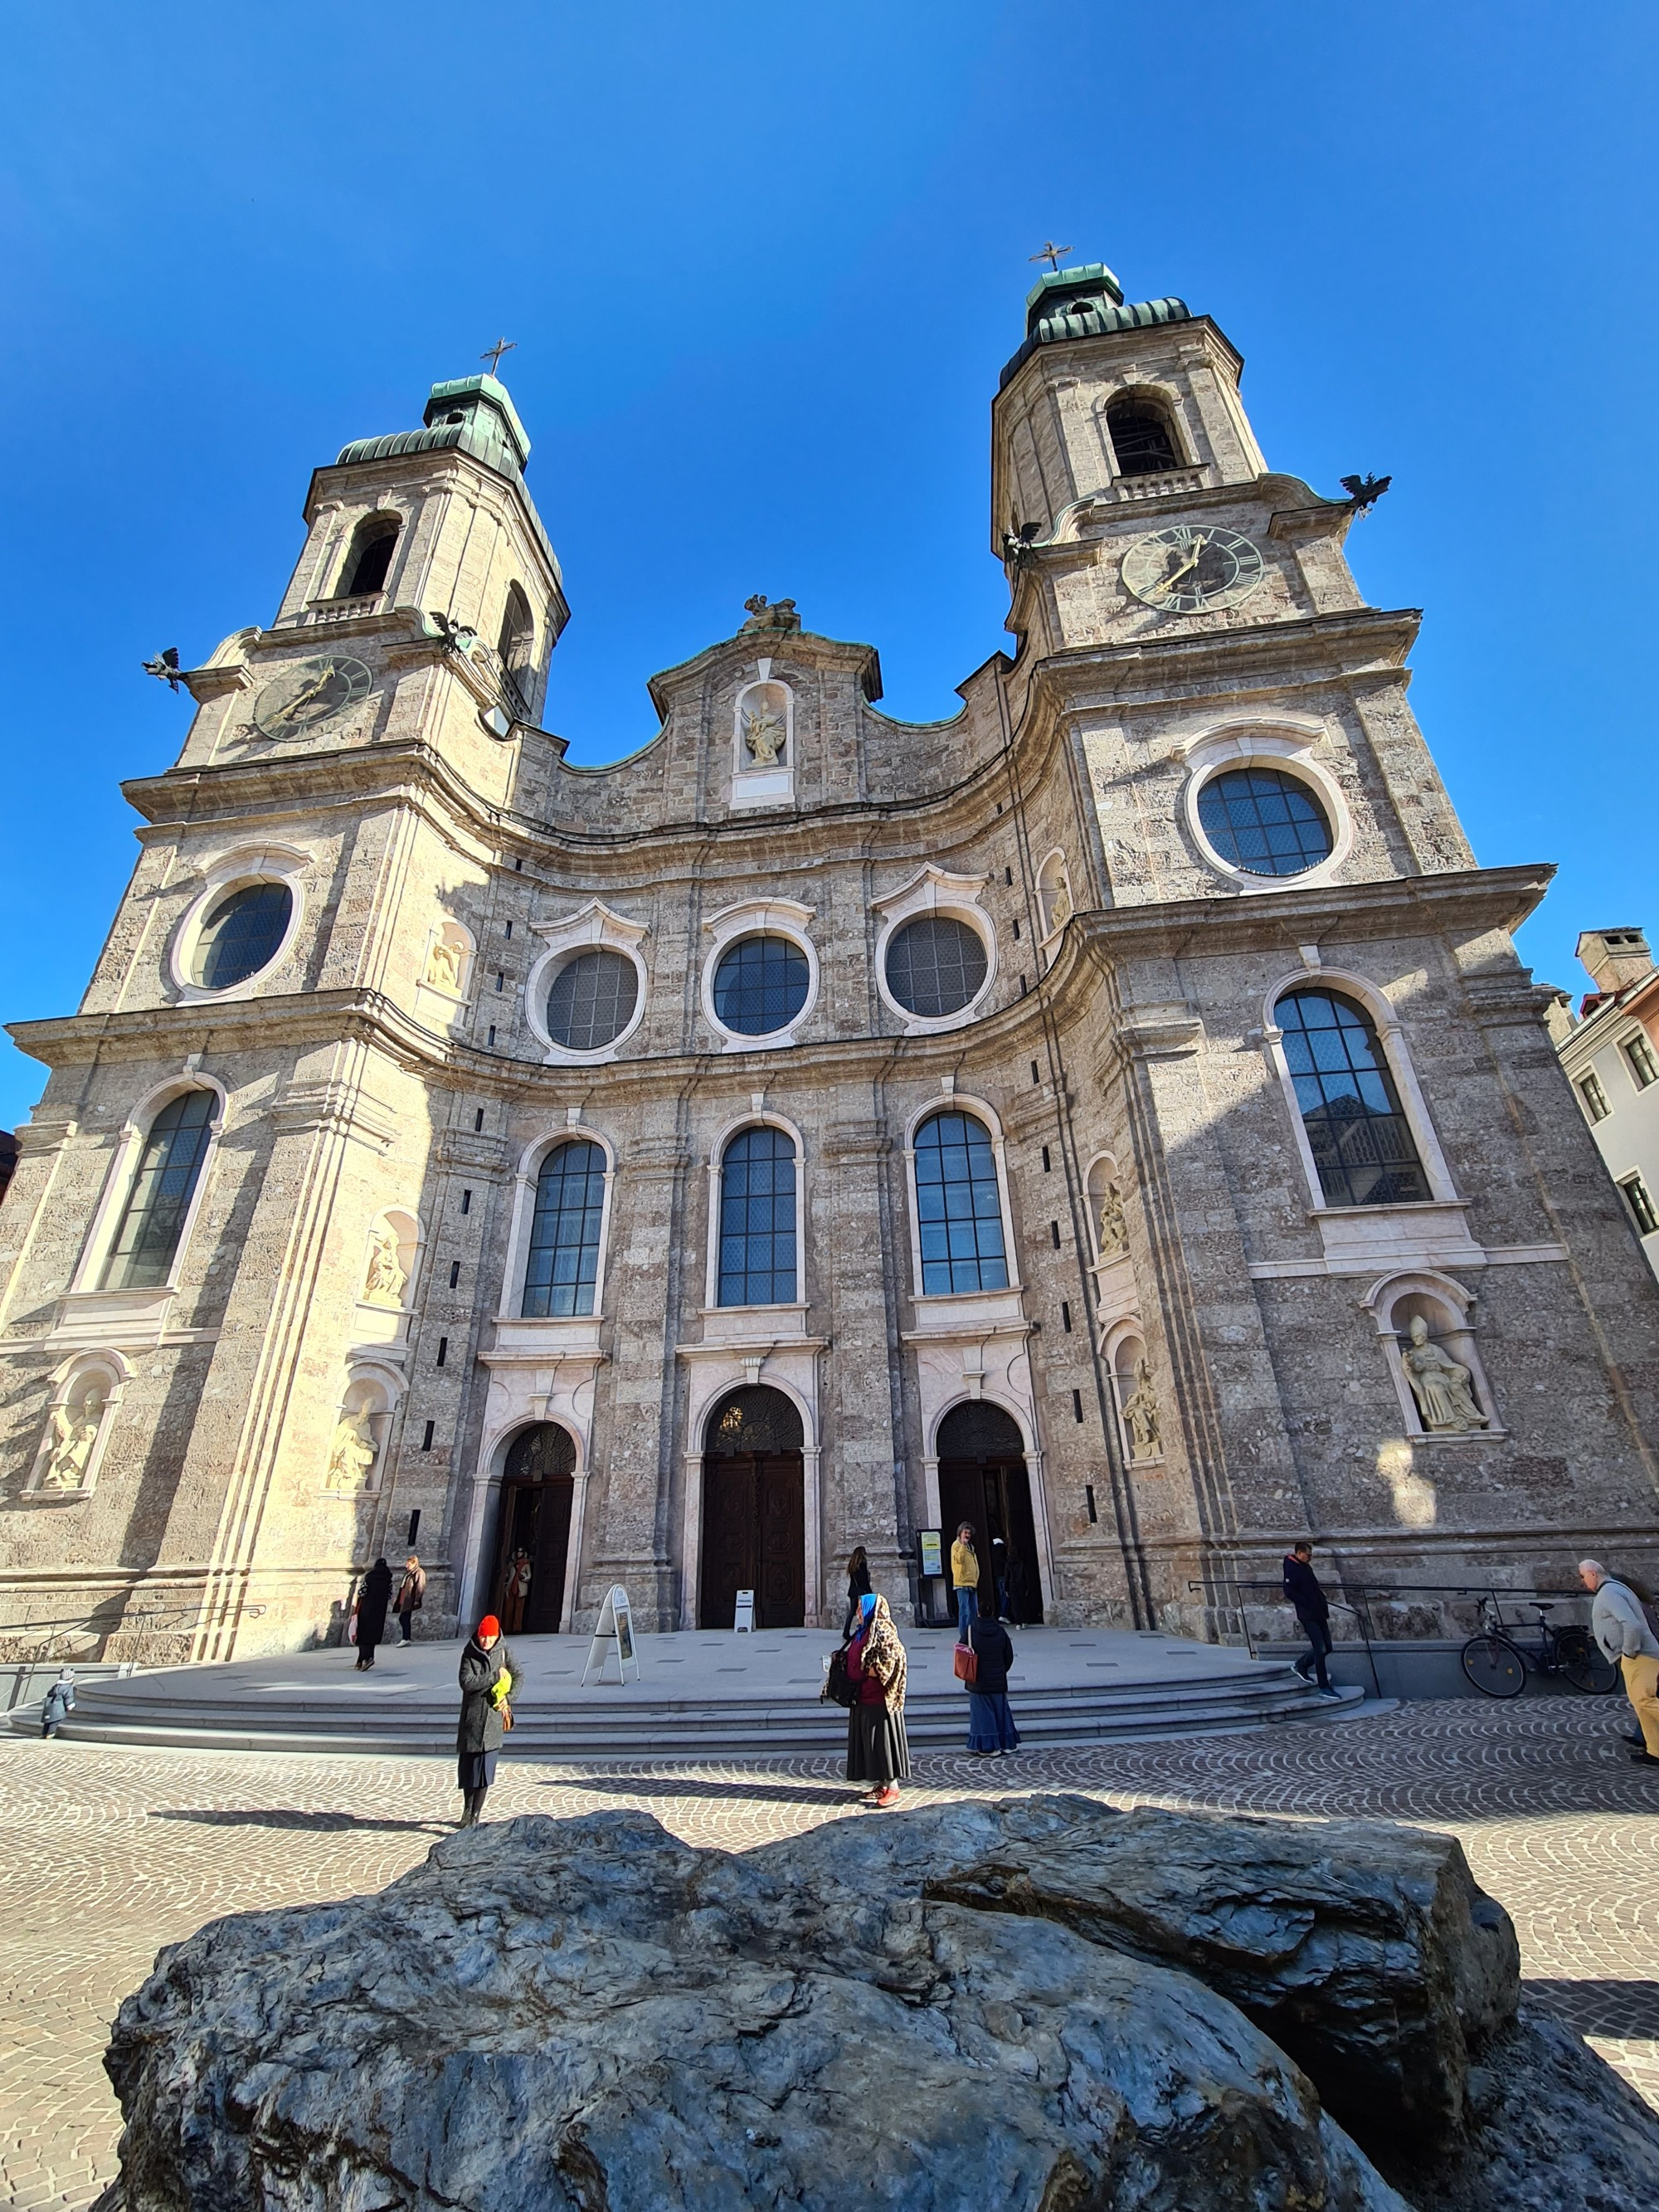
{"type": "Point", "coordinates": [111, 1853]}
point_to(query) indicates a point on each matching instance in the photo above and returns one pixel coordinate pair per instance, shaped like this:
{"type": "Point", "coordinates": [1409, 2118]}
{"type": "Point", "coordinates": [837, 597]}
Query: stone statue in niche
{"type": "Point", "coordinates": [443, 965]}
{"type": "Point", "coordinates": [352, 1455]}
{"type": "Point", "coordinates": [73, 1429]}
{"type": "Point", "coordinates": [1445, 1402]}
{"type": "Point", "coordinates": [780, 616]}
{"type": "Point", "coordinates": [1113, 1228]}
{"type": "Point", "coordinates": [1059, 906]}
{"type": "Point", "coordinates": [386, 1277]}
{"type": "Point", "coordinates": [763, 733]}
{"type": "Point", "coordinates": [1140, 1414]}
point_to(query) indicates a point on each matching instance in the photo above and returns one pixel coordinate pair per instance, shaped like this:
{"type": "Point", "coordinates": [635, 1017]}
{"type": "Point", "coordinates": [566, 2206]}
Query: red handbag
{"type": "Point", "coordinates": [967, 1663]}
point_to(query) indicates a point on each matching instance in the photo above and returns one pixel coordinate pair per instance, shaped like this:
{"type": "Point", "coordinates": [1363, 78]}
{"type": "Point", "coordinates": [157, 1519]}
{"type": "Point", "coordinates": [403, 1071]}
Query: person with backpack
{"type": "Point", "coordinates": [60, 1703]}
{"type": "Point", "coordinates": [1620, 1627]}
{"type": "Point", "coordinates": [991, 1730]}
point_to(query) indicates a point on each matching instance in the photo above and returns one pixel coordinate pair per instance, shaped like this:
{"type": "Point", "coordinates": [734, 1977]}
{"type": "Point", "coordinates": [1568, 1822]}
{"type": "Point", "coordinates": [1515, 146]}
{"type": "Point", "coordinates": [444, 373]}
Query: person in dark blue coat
{"type": "Point", "coordinates": [1302, 1591]}
{"type": "Point", "coordinates": [991, 1730]}
{"type": "Point", "coordinates": [60, 1703]}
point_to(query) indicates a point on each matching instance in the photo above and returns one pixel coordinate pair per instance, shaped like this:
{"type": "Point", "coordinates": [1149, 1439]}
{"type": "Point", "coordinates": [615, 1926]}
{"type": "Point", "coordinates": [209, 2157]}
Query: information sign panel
{"type": "Point", "coordinates": [613, 1631]}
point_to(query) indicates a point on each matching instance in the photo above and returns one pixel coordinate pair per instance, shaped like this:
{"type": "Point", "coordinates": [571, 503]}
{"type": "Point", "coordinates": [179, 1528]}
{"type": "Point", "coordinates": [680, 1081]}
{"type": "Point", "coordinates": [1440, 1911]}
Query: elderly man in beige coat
{"type": "Point", "coordinates": [1621, 1627]}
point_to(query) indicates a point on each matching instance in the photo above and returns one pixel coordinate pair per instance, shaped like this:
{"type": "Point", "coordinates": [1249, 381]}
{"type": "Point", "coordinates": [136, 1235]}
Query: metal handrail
{"type": "Point", "coordinates": [172, 1616]}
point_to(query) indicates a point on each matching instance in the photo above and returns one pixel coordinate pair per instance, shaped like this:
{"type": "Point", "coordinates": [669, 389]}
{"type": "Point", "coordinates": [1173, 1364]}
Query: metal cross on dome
{"type": "Point", "coordinates": [1050, 252]}
{"type": "Point", "coordinates": [493, 355]}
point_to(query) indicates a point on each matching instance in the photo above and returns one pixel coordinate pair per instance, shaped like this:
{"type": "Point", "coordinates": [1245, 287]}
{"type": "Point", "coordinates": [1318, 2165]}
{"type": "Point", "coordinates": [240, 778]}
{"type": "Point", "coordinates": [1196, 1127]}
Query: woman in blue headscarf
{"type": "Point", "coordinates": [877, 1751]}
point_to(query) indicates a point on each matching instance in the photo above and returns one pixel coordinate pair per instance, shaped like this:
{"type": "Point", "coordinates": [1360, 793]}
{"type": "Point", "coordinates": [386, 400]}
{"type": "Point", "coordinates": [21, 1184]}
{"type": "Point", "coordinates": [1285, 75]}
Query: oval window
{"type": "Point", "coordinates": [593, 1000]}
{"type": "Point", "coordinates": [761, 985]}
{"type": "Point", "coordinates": [936, 965]}
{"type": "Point", "coordinates": [240, 935]}
{"type": "Point", "coordinates": [1264, 822]}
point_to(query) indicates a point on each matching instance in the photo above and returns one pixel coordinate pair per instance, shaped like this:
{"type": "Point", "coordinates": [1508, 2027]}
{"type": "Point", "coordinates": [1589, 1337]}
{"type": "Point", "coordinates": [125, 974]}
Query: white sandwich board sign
{"type": "Point", "coordinates": [613, 1631]}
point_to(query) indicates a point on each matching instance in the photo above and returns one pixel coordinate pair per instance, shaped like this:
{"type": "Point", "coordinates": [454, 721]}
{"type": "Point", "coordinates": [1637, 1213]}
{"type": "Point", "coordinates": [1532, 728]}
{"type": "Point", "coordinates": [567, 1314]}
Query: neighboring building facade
{"type": "Point", "coordinates": [1610, 1050]}
{"type": "Point", "coordinates": [1115, 1114]}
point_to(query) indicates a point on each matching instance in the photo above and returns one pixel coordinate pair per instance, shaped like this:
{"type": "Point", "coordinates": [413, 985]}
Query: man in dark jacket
{"type": "Point", "coordinates": [486, 1678]}
{"type": "Point", "coordinates": [1313, 1610]}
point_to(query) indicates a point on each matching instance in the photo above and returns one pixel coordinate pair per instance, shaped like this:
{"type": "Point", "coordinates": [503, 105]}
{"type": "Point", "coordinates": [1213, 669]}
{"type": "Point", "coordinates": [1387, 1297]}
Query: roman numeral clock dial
{"type": "Point", "coordinates": [1190, 569]}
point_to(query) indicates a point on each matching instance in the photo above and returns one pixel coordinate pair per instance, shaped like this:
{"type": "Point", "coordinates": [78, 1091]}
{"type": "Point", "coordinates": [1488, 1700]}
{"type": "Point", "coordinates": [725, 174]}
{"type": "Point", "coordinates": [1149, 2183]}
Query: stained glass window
{"type": "Point", "coordinates": [1266, 823]}
{"type": "Point", "coordinates": [142, 1254]}
{"type": "Point", "coordinates": [761, 985]}
{"type": "Point", "coordinates": [1361, 1141]}
{"type": "Point", "coordinates": [564, 1232]}
{"type": "Point", "coordinates": [593, 1000]}
{"type": "Point", "coordinates": [958, 1206]}
{"type": "Point", "coordinates": [240, 935]}
{"type": "Point", "coordinates": [935, 965]}
{"type": "Point", "coordinates": [757, 1221]}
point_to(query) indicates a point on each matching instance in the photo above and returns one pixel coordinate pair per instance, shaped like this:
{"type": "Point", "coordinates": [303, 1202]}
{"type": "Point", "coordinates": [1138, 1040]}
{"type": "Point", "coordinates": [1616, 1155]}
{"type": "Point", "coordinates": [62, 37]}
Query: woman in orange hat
{"type": "Point", "coordinates": [486, 1680]}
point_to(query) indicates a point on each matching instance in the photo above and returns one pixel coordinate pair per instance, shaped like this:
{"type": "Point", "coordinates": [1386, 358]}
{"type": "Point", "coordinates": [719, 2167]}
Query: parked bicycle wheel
{"type": "Point", "coordinates": [1495, 1666]}
{"type": "Point", "coordinates": [1584, 1664]}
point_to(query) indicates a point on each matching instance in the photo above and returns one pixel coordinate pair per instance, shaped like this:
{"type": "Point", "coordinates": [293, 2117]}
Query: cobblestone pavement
{"type": "Point", "coordinates": [110, 1854]}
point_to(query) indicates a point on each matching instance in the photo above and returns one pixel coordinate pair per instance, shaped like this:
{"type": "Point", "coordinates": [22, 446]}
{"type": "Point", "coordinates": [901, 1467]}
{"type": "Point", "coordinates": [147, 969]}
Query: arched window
{"type": "Point", "coordinates": [1264, 822]}
{"type": "Point", "coordinates": [1361, 1141]}
{"type": "Point", "coordinates": [154, 1219]}
{"type": "Point", "coordinates": [757, 1221]}
{"type": "Point", "coordinates": [516, 647]}
{"type": "Point", "coordinates": [241, 935]}
{"type": "Point", "coordinates": [1141, 438]}
{"type": "Point", "coordinates": [564, 1266]}
{"type": "Point", "coordinates": [958, 1206]}
{"type": "Point", "coordinates": [370, 556]}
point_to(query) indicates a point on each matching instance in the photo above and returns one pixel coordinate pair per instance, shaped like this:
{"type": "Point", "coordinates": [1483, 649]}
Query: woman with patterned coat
{"type": "Point", "coordinates": [876, 1751]}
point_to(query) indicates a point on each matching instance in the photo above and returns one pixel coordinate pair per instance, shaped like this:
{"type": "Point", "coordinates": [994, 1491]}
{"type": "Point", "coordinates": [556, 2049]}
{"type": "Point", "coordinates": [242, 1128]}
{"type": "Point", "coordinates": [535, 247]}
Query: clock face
{"type": "Point", "coordinates": [1189, 570]}
{"type": "Point", "coordinates": [309, 693]}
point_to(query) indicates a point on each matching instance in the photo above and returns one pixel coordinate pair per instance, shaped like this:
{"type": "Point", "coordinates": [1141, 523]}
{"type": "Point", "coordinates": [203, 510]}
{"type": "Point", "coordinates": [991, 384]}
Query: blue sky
{"type": "Point", "coordinates": [763, 264]}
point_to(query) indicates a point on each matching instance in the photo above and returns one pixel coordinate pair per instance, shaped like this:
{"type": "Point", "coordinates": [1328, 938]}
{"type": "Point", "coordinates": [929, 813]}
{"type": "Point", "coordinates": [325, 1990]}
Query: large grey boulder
{"type": "Point", "coordinates": [969, 2007]}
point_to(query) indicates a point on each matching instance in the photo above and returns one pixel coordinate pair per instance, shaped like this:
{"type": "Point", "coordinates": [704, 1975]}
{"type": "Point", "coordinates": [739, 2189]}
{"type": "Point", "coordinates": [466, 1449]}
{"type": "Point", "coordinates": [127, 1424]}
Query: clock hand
{"type": "Point", "coordinates": [1167, 583]}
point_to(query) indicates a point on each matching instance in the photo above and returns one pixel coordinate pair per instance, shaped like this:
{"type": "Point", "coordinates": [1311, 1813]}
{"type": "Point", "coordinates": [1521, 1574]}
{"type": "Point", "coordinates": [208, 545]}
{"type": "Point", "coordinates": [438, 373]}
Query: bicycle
{"type": "Point", "coordinates": [1497, 1664]}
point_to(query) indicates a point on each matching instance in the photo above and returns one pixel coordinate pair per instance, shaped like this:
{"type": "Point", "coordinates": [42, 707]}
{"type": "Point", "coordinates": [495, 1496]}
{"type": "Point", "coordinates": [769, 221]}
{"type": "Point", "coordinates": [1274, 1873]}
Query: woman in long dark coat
{"type": "Point", "coordinates": [878, 1751]}
{"type": "Point", "coordinates": [486, 1677]}
{"type": "Point", "coordinates": [858, 1586]}
{"type": "Point", "coordinates": [373, 1600]}
{"type": "Point", "coordinates": [991, 1730]}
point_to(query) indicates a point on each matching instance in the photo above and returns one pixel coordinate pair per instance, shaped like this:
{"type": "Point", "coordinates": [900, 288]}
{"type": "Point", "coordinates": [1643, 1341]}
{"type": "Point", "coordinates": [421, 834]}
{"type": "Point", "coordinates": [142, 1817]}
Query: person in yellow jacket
{"type": "Point", "coordinates": [964, 1574]}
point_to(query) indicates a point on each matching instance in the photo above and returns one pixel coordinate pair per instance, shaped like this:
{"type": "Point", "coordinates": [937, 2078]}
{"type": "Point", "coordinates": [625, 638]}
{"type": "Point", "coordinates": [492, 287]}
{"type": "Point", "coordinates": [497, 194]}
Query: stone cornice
{"type": "Point", "coordinates": [1311, 649]}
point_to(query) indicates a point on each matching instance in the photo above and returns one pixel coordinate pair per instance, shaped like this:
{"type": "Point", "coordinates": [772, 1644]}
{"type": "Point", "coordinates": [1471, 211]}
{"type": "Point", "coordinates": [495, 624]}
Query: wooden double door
{"type": "Point", "coordinates": [754, 1511]}
{"type": "Point", "coordinates": [982, 1479]}
{"type": "Point", "coordinates": [532, 1543]}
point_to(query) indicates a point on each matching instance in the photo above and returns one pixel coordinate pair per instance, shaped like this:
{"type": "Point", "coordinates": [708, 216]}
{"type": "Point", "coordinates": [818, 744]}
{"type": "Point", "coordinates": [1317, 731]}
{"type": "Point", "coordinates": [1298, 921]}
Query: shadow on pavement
{"type": "Point", "coordinates": [323, 1823]}
{"type": "Point", "coordinates": [685, 1786]}
{"type": "Point", "coordinates": [1629, 2010]}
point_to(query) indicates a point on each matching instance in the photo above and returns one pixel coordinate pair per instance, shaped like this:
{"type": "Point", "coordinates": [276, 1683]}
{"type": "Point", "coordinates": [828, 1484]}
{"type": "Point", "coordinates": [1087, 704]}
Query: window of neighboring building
{"type": "Point", "coordinates": [142, 1252]}
{"type": "Point", "coordinates": [1641, 1203]}
{"type": "Point", "coordinates": [593, 1000]}
{"type": "Point", "coordinates": [241, 935]}
{"type": "Point", "coordinates": [761, 985]}
{"type": "Point", "coordinates": [1361, 1140]}
{"type": "Point", "coordinates": [564, 1232]}
{"type": "Point", "coordinates": [1594, 1099]}
{"type": "Point", "coordinates": [1265, 822]}
{"type": "Point", "coordinates": [1141, 438]}
{"type": "Point", "coordinates": [757, 1221]}
{"type": "Point", "coordinates": [1643, 1064]}
{"type": "Point", "coordinates": [958, 1206]}
{"type": "Point", "coordinates": [936, 965]}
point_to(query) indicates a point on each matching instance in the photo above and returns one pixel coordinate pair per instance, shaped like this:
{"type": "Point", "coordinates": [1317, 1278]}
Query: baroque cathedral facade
{"type": "Point", "coordinates": [1114, 1114]}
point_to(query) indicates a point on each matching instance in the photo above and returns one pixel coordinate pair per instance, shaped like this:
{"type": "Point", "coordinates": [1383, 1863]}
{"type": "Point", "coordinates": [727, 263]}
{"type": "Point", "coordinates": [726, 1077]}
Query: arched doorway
{"type": "Point", "coordinates": [754, 1515]}
{"type": "Point", "coordinates": [982, 1478]}
{"type": "Point", "coordinates": [533, 1531]}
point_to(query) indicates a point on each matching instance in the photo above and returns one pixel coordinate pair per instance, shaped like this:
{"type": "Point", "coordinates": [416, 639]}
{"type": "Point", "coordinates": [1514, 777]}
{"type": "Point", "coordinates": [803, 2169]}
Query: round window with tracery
{"type": "Point", "coordinates": [241, 935]}
{"type": "Point", "coordinates": [936, 965]}
{"type": "Point", "coordinates": [591, 1001]}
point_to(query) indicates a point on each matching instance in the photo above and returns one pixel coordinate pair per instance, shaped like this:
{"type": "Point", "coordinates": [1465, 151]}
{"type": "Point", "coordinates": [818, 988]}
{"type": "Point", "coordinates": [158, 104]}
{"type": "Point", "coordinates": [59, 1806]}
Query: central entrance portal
{"type": "Point", "coordinates": [533, 1530]}
{"type": "Point", "coordinates": [753, 1515]}
{"type": "Point", "coordinates": [982, 1479]}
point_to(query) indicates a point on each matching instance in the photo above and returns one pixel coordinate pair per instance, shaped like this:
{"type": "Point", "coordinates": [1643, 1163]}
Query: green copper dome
{"type": "Point", "coordinates": [1086, 303]}
{"type": "Point", "coordinates": [471, 412]}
